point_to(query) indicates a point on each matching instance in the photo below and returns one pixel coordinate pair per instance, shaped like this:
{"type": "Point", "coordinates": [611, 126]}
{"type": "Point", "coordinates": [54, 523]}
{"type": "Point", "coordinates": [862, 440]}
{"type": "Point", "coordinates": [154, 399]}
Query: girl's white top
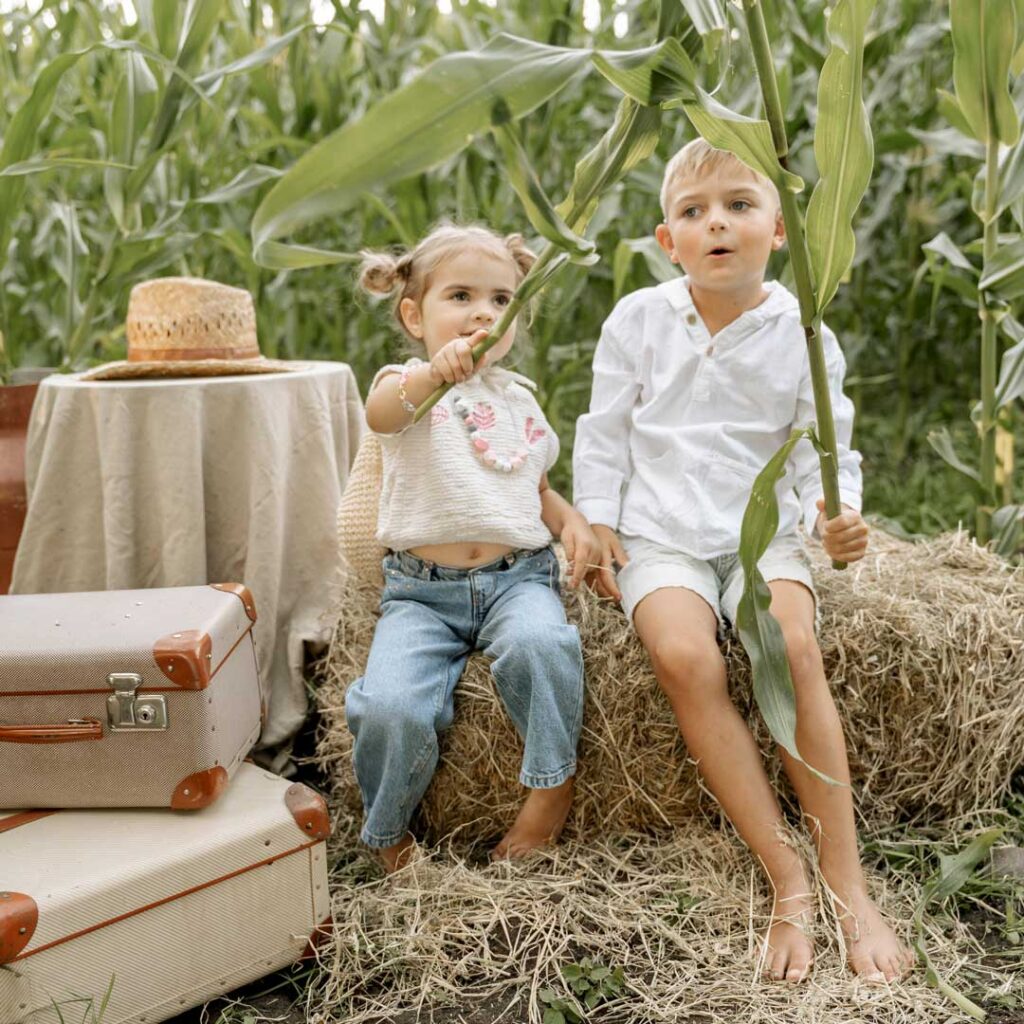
{"type": "Point", "coordinates": [681, 422]}
{"type": "Point", "coordinates": [436, 489]}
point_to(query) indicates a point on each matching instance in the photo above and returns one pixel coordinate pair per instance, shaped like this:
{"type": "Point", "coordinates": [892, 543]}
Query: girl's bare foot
{"type": "Point", "coordinates": [872, 948]}
{"type": "Point", "coordinates": [539, 821]}
{"type": "Point", "coordinates": [395, 857]}
{"type": "Point", "coordinates": [790, 949]}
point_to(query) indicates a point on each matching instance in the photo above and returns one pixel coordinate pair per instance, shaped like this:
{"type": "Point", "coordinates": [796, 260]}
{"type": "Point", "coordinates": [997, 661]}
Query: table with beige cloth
{"type": "Point", "coordinates": [172, 482]}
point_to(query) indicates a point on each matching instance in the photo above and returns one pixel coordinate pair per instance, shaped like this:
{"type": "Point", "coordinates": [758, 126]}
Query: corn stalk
{"type": "Point", "coordinates": [987, 44]}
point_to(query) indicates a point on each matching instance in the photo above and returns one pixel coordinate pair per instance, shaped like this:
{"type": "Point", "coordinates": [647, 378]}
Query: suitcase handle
{"type": "Point", "coordinates": [62, 732]}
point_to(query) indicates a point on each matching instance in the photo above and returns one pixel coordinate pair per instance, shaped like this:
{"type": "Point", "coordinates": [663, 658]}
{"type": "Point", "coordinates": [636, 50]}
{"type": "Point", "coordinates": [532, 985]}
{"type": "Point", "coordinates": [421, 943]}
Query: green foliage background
{"type": "Point", "coordinates": [76, 247]}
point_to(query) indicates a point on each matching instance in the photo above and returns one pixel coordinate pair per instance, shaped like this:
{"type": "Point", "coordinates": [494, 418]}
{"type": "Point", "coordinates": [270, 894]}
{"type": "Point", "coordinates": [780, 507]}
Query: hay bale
{"type": "Point", "coordinates": [923, 646]}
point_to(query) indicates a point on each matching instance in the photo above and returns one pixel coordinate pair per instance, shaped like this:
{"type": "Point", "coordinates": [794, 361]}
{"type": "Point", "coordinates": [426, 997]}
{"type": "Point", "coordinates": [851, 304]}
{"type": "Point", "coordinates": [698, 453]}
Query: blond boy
{"type": "Point", "coordinates": [697, 382]}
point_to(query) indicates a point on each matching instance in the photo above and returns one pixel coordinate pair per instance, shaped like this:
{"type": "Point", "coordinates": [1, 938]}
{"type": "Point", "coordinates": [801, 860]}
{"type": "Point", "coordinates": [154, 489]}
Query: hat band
{"type": "Point", "coordinates": [186, 354]}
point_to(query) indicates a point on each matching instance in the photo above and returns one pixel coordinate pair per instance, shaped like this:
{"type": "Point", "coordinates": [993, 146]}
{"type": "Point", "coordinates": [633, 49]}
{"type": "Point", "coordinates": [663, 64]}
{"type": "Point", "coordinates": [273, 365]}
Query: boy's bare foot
{"type": "Point", "coordinates": [875, 953]}
{"type": "Point", "coordinates": [790, 951]}
{"type": "Point", "coordinates": [398, 856]}
{"type": "Point", "coordinates": [539, 821]}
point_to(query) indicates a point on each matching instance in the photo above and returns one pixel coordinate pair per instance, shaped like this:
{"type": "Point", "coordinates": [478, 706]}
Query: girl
{"type": "Point", "coordinates": [468, 516]}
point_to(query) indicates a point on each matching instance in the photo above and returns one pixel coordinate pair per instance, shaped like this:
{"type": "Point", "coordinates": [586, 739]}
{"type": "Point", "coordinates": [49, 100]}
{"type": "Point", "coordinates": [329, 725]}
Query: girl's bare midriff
{"type": "Point", "coordinates": [461, 555]}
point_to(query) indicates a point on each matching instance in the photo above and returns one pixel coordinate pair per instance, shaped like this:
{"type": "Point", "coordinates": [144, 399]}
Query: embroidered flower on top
{"type": "Point", "coordinates": [479, 417]}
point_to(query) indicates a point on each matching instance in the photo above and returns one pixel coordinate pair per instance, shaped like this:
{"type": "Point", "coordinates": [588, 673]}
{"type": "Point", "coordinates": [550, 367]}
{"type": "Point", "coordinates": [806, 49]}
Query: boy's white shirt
{"type": "Point", "coordinates": [680, 422]}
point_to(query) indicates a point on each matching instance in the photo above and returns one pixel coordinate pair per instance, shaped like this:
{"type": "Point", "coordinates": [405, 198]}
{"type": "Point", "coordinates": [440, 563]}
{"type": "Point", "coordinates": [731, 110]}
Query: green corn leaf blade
{"type": "Point", "coordinates": [132, 109]}
{"type": "Point", "coordinates": [200, 21]}
{"type": "Point", "coordinates": [210, 80]}
{"type": "Point", "coordinates": [160, 19]}
{"type": "Point", "coordinates": [629, 141]}
{"type": "Point", "coordinates": [1007, 530]}
{"type": "Point", "coordinates": [1011, 376]}
{"type": "Point", "coordinates": [748, 138]}
{"type": "Point", "coordinates": [759, 630]}
{"type": "Point", "coordinates": [944, 246]}
{"type": "Point", "coordinates": [708, 19]}
{"type": "Point", "coordinates": [954, 873]}
{"type": "Point", "coordinates": [22, 131]}
{"type": "Point", "coordinates": [241, 184]}
{"type": "Point", "coordinates": [47, 163]}
{"type": "Point", "coordinates": [412, 129]}
{"type": "Point", "coordinates": [541, 214]}
{"type": "Point", "coordinates": [984, 42]}
{"type": "Point", "coordinates": [942, 442]}
{"type": "Point", "coordinates": [659, 265]}
{"type": "Point", "coordinates": [1004, 273]}
{"type": "Point", "coordinates": [1011, 176]}
{"type": "Point", "coordinates": [130, 114]}
{"type": "Point", "coordinates": [652, 75]}
{"type": "Point", "coordinates": [949, 108]}
{"type": "Point", "coordinates": [842, 149]}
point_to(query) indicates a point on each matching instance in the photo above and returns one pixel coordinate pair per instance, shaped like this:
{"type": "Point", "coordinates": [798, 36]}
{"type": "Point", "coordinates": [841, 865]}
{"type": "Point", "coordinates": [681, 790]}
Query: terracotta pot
{"type": "Point", "coordinates": [15, 406]}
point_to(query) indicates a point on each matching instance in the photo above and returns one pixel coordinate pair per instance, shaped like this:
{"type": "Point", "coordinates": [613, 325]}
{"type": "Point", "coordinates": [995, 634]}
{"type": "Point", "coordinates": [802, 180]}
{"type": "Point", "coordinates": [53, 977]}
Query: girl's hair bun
{"type": "Point", "coordinates": [523, 257]}
{"type": "Point", "coordinates": [380, 272]}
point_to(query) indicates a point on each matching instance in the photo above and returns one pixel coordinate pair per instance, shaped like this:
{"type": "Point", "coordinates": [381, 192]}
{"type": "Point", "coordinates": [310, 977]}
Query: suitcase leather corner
{"type": "Point", "coordinates": [241, 591]}
{"type": "Point", "coordinates": [185, 658]}
{"type": "Point", "coordinates": [199, 790]}
{"type": "Point", "coordinates": [309, 809]}
{"type": "Point", "coordinates": [18, 918]}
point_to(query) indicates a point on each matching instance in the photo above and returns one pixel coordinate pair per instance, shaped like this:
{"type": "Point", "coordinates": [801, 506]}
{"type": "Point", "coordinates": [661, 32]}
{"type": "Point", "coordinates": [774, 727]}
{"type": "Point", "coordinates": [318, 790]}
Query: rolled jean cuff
{"type": "Point", "coordinates": [380, 842]}
{"type": "Point", "coordinates": [547, 780]}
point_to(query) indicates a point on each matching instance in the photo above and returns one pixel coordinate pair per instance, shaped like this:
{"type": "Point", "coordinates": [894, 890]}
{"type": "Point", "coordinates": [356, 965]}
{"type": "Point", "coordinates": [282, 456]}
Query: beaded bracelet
{"type": "Point", "coordinates": [403, 379]}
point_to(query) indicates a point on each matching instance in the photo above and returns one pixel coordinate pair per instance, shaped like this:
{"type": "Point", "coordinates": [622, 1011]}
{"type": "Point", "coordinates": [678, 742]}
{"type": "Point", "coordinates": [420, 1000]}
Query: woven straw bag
{"type": "Point", "coordinates": [361, 552]}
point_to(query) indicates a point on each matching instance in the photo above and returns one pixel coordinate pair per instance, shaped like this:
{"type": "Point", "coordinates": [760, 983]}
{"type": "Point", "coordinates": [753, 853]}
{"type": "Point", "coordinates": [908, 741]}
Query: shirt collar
{"type": "Point", "coordinates": [780, 300]}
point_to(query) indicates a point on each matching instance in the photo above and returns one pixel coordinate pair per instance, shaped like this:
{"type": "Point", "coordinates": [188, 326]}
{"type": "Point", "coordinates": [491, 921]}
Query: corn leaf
{"type": "Point", "coordinates": [759, 630]}
{"type": "Point", "coordinates": [950, 109]}
{"type": "Point", "coordinates": [984, 42]}
{"type": "Point", "coordinates": [944, 246]}
{"type": "Point", "coordinates": [23, 130]}
{"type": "Point", "coordinates": [1007, 530]}
{"type": "Point", "coordinates": [659, 265]}
{"type": "Point", "coordinates": [130, 114]}
{"type": "Point", "coordinates": [654, 74]}
{"type": "Point", "coordinates": [748, 138]}
{"type": "Point", "coordinates": [199, 23]}
{"type": "Point", "coordinates": [708, 19]}
{"type": "Point", "coordinates": [1004, 272]}
{"type": "Point", "coordinates": [629, 141]}
{"type": "Point", "coordinates": [942, 442]}
{"type": "Point", "coordinates": [539, 211]}
{"type": "Point", "coordinates": [842, 149]}
{"type": "Point", "coordinates": [953, 875]}
{"type": "Point", "coordinates": [412, 129]}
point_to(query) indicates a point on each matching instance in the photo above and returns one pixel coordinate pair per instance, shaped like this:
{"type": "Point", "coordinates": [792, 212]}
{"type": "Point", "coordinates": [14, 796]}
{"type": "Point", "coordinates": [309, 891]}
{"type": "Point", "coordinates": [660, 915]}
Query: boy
{"type": "Point", "coordinates": [697, 382]}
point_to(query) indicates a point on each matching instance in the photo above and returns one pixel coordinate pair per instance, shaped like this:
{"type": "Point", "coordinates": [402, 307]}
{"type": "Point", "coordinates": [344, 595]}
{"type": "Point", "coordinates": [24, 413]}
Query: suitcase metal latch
{"type": "Point", "coordinates": [127, 712]}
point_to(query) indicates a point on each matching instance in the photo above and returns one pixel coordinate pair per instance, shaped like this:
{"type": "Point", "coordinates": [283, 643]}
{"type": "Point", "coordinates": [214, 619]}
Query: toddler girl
{"type": "Point", "coordinates": [468, 516]}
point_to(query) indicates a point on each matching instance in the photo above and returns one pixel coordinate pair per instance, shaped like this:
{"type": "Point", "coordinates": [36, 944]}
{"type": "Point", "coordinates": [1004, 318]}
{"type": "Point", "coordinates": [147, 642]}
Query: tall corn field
{"type": "Point", "coordinates": [139, 139]}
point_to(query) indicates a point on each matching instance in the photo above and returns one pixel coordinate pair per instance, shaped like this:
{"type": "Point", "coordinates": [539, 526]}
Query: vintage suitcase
{"type": "Point", "coordinates": [163, 910]}
{"type": "Point", "coordinates": [126, 698]}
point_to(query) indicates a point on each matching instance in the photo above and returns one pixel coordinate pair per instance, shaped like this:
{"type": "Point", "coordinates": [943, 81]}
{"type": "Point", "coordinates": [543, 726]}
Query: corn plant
{"type": "Point", "coordinates": [987, 42]}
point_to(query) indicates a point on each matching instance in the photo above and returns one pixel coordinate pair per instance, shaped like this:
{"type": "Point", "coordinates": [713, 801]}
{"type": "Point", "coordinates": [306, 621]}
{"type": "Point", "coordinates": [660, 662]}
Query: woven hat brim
{"type": "Point", "coordinates": [125, 370]}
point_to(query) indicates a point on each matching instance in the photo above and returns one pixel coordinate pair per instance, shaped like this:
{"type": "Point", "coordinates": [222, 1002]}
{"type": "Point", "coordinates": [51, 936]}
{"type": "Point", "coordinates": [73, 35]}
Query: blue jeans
{"type": "Point", "coordinates": [432, 618]}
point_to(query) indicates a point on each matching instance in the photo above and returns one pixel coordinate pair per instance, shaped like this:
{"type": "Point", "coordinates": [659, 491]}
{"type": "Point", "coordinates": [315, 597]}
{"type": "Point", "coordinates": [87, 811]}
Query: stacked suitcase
{"type": "Point", "coordinates": [144, 866]}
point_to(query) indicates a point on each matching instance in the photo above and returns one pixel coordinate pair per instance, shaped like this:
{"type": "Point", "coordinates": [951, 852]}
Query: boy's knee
{"type": "Point", "coordinates": [684, 666]}
{"type": "Point", "coordinates": [801, 649]}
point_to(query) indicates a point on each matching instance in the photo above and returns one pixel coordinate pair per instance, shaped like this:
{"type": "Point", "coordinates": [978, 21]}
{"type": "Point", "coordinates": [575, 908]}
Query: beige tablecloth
{"type": "Point", "coordinates": [160, 483]}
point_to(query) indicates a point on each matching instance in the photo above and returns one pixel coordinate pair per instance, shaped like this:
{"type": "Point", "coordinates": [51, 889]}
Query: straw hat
{"type": "Point", "coordinates": [188, 327]}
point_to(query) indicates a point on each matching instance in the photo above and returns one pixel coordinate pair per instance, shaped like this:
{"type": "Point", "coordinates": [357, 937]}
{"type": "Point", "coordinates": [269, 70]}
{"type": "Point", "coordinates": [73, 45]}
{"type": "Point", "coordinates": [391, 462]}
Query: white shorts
{"type": "Point", "coordinates": [719, 580]}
